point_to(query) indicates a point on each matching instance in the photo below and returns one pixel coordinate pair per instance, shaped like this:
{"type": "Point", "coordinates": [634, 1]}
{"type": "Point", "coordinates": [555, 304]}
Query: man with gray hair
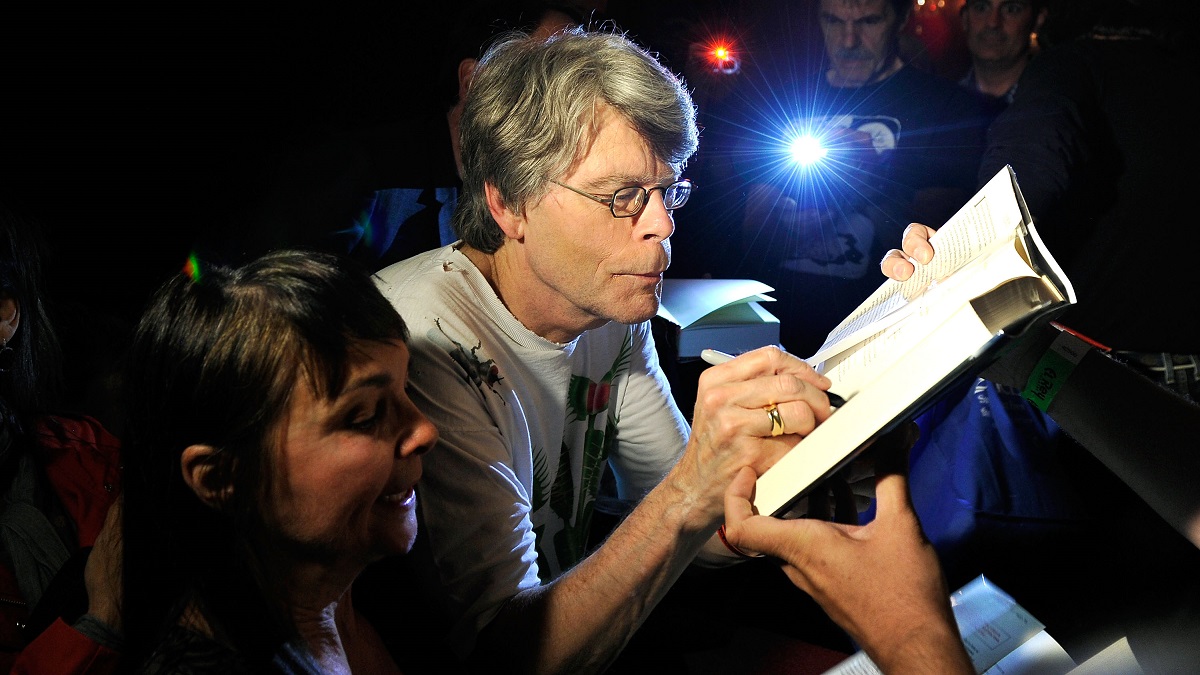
{"type": "Point", "coordinates": [532, 353]}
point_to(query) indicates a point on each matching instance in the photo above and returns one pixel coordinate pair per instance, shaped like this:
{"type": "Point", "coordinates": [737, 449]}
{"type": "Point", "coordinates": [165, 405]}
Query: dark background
{"type": "Point", "coordinates": [126, 132]}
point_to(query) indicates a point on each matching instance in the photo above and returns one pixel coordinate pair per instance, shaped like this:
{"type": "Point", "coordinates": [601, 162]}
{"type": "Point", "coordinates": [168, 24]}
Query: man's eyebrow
{"type": "Point", "coordinates": [625, 180]}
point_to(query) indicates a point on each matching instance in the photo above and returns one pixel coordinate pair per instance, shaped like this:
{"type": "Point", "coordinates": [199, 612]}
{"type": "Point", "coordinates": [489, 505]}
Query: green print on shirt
{"type": "Point", "coordinates": [587, 401]}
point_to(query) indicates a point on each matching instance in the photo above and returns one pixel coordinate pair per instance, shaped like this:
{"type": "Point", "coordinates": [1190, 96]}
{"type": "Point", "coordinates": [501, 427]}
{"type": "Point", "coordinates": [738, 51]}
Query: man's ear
{"type": "Point", "coordinates": [206, 473]}
{"type": "Point", "coordinates": [10, 316]}
{"type": "Point", "coordinates": [466, 69]}
{"type": "Point", "coordinates": [512, 224]}
{"type": "Point", "coordinates": [1041, 19]}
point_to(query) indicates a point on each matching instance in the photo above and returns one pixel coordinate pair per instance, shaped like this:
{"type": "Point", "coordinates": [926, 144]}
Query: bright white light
{"type": "Point", "coordinates": [808, 150]}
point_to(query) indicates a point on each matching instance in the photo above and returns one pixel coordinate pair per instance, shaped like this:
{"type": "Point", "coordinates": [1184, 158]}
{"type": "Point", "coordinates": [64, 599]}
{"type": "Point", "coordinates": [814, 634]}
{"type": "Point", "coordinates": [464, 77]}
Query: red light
{"type": "Point", "coordinates": [716, 55]}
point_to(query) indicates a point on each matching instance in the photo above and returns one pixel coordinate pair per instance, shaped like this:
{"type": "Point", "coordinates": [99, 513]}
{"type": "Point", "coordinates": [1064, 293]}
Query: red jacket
{"type": "Point", "coordinates": [82, 463]}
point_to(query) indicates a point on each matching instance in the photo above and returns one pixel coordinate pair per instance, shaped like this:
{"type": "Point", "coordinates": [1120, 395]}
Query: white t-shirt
{"type": "Point", "coordinates": [525, 425]}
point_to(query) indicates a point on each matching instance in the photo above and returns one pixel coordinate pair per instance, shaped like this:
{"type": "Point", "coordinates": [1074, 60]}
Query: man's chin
{"type": "Point", "coordinates": [634, 313]}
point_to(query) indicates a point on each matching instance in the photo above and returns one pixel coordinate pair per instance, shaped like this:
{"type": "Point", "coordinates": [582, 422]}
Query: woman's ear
{"type": "Point", "coordinates": [206, 473]}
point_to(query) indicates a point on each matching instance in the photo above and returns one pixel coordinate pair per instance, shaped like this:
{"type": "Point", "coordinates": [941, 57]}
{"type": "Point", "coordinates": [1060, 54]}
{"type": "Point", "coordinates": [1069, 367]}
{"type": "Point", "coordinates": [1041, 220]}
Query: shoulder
{"type": "Point", "coordinates": [433, 284]}
{"type": "Point", "coordinates": [1064, 68]}
{"type": "Point", "coordinates": [186, 651]}
{"type": "Point", "coordinates": [60, 433]}
{"type": "Point", "coordinates": [937, 92]}
{"type": "Point", "coordinates": [397, 278]}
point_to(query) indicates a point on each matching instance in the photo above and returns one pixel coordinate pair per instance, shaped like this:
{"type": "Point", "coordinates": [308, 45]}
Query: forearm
{"type": "Point", "coordinates": [935, 649]}
{"type": "Point", "coordinates": [580, 622]}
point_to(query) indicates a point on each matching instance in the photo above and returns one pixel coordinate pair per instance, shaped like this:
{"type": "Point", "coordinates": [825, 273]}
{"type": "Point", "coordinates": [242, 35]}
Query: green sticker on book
{"type": "Point", "coordinates": [1047, 378]}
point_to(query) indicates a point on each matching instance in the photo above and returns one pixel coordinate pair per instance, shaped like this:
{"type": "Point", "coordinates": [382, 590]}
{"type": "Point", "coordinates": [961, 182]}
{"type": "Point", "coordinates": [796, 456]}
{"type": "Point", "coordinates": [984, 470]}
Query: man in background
{"type": "Point", "coordinates": [903, 145]}
{"type": "Point", "coordinates": [1000, 38]}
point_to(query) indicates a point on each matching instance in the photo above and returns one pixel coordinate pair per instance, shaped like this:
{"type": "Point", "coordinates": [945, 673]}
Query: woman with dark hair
{"type": "Point", "coordinates": [272, 452]}
{"type": "Point", "coordinates": [59, 474]}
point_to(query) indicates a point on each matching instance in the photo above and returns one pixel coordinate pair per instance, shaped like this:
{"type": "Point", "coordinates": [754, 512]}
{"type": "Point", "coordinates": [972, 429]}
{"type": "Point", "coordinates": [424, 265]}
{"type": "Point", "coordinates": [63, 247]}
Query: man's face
{"type": "Point", "coordinates": [860, 38]}
{"type": "Point", "coordinates": [998, 31]}
{"type": "Point", "coordinates": [585, 267]}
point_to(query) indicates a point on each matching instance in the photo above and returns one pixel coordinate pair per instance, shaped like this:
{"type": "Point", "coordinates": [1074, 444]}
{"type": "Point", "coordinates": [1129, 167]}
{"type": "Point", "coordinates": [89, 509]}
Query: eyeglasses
{"type": "Point", "coordinates": [627, 202]}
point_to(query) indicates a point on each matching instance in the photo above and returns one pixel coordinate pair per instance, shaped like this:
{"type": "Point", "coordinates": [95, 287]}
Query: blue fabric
{"type": "Point", "coordinates": [986, 462]}
{"type": "Point", "coordinates": [987, 458]}
{"type": "Point", "coordinates": [374, 231]}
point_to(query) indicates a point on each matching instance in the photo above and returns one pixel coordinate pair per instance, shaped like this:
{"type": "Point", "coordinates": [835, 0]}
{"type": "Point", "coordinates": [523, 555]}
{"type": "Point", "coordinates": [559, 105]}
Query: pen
{"type": "Point", "coordinates": [715, 358]}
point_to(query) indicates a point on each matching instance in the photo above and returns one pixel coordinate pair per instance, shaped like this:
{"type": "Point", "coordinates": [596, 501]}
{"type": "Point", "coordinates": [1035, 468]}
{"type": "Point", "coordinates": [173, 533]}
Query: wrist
{"type": "Point", "coordinates": [689, 501]}
{"type": "Point", "coordinates": [100, 630]}
{"type": "Point", "coordinates": [937, 649]}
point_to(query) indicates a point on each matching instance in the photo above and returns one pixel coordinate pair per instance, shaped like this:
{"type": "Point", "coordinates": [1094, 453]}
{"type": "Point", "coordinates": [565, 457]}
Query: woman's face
{"type": "Point", "coordinates": [346, 467]}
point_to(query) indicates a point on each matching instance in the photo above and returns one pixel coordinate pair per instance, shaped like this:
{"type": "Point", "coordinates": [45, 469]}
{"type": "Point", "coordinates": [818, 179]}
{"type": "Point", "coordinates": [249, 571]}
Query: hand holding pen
{"type": "Point", "coordinates": [749, 412]}
{"type": "Point", "coordinates": [714, 357]}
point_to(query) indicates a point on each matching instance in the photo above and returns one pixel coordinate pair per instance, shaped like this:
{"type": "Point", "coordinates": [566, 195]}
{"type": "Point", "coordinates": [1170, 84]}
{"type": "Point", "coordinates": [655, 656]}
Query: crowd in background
{"type": "Point", "coordinates": [135, 152]}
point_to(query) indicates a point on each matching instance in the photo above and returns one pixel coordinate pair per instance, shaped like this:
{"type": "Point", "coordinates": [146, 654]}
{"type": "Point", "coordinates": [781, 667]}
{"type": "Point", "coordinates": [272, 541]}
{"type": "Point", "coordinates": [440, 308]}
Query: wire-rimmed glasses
{"type": "Point", "coordinates": [629, 201]}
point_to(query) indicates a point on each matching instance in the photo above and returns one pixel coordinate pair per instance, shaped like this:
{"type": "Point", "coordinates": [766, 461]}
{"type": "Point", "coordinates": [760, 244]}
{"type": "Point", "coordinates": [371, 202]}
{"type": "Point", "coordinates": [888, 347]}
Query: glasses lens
{"type": "Point", "coordinates": [628, 201]}
{"type": "Point", "coordinates": [676, 194]}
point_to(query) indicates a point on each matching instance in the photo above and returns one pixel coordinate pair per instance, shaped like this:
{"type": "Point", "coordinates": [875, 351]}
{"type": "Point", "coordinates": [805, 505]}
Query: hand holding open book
{"type": "Point", "coordinates": [990, 278]}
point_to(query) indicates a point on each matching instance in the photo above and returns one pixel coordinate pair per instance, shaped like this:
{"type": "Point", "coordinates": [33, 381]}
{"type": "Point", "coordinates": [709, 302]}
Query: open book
{"type": "Point", "coordinates": [991, 277]}
{"type": "Point", "coordinates": [1002, 638]}
{"type": "Point", "coordinates": [724, 314]}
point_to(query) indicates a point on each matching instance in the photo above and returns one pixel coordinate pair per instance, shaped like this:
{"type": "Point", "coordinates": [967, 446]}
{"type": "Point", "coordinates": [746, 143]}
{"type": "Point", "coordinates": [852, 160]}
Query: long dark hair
{"type": "Point", "coordinates": [213, 361]}
{"type": "Point", "coordinates": [33, 369]}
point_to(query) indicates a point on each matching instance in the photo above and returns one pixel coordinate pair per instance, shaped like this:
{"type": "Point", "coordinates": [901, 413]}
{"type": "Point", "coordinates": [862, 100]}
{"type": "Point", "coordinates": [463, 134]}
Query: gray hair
{"type": "Point", "coordinates": [528, 114]}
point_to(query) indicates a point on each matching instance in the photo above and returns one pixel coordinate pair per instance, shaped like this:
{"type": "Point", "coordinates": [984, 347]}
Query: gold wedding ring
{"type": "Point", "coordinates": [776, 420]}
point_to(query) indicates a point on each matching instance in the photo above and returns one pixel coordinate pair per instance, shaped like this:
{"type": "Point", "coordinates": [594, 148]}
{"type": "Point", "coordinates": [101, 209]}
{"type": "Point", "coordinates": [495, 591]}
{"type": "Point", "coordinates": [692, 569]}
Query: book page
{"type": "Point", "coordinates": [855, 368]}
{"type": "Point", "coordinates": [991, 216]}
{"type": "Point", "coordinates": [1000, 636]}
{"type": "Point", "coordinates": [940, 325]}
{"type": "Point", "coordinates": [1115, 658]}
{"type": "Point", "coordinates": [897, 386]}
{"type": "Point", "coordinates": [858, 664]}
{"type": "Point", "coordinates": [1039, 655]}
{"type": "Point", "coordinates": [993, 626]}
{"type": "Point", "coordinates": [685, 301]}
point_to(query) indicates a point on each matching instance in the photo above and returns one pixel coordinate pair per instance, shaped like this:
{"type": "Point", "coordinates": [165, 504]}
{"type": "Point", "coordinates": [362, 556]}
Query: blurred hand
{"type": "Point", "coordinates": [900, 264]}
{"type": "Point", "coordinates": [779, 229]}
{"type": "Point", "coordinates": [102, 574]}
{"type": "Point", "coordinates": [732, 429]}
{"type": "Point", "coordinates": [854, 149]}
